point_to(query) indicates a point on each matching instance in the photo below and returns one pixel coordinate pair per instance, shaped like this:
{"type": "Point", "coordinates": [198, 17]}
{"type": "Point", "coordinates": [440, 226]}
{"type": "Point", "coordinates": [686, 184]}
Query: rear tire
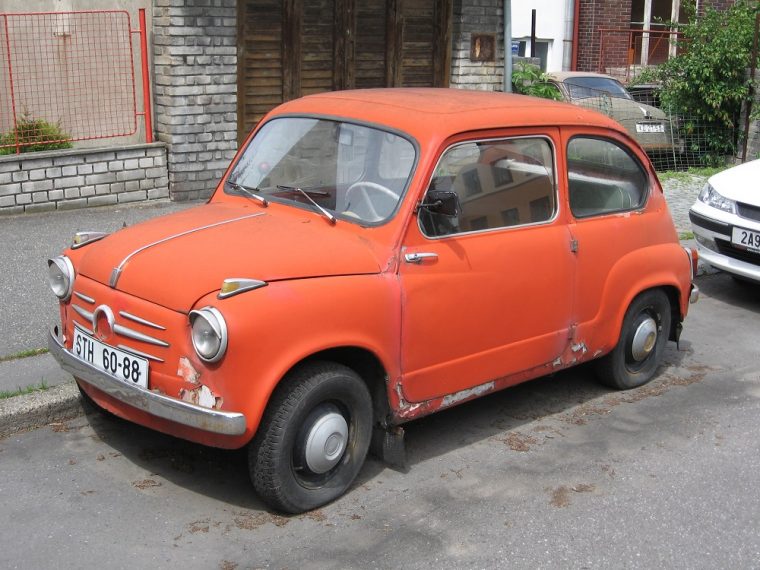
{"type": "Point", "coordinates": [646, 327]}
{"type": "Point", "coordinates": [313, 438]}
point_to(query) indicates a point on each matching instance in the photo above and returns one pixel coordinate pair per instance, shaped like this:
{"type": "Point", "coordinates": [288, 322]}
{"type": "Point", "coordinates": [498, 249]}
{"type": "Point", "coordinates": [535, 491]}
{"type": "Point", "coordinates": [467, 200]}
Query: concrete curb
{"type": "Point", "coordinates": [30, 411]}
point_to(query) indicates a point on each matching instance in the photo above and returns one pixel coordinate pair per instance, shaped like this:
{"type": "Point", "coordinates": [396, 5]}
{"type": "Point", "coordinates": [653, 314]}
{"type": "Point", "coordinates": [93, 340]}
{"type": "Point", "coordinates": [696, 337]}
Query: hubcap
{"type": "Point", "coordinates": [326, 441]}
{"type": "Point", "coordinates": [644, 339]}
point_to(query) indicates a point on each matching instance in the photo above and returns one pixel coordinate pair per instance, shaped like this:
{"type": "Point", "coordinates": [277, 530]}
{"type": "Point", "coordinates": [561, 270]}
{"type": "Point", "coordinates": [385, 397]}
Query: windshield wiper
{"type": "Point", "coordinates": [249, 192]}
{"type": "Point", "coordinates": [306, 194]}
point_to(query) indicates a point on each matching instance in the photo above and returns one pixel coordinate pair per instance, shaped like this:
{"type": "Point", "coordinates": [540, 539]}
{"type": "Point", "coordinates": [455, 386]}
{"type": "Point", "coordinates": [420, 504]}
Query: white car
{"type": "Point", "coordinates": [726, 221]}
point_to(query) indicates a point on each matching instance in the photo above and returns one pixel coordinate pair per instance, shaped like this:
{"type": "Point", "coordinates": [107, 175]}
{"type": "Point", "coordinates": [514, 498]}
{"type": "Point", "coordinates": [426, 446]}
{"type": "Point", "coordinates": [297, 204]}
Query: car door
{"type": "Point", "coordinates": [487, 293]}
{"type": "Point", "coordinates": [613, 202]}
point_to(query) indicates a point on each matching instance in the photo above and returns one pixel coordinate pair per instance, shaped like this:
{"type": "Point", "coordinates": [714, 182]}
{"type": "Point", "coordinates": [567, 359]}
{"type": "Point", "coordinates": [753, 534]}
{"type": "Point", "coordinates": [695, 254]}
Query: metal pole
{"type": "Point", "coordinates": [145, 77]}
{"type": "Point", "coordinates": [508, 46]}
{"type": "Point", "coordinates": [533, 33]}
{"type": "Point", "coordinates": [10, 75]}
{"type": "Point", "coordinates": [753, 67]}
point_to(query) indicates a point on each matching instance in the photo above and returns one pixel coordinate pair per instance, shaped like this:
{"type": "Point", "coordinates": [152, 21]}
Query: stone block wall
{"type": "Point", "coordinates": [473, 17]}
{"type": "Point", "coordinates": [68, 179]}
{"type": "Point", "coordinates": [195, 90]}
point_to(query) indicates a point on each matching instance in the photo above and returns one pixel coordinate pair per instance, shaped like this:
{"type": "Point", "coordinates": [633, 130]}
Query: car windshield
{"type": "Point", "coordinates": [351, 171]}
{"type": "Point", "coordinates": [584, 87]}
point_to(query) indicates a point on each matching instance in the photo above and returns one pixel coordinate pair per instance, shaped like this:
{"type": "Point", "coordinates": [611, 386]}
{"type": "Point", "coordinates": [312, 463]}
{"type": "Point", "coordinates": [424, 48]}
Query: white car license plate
{"type": "Point", "coordinates": [746, 238]}
{"type": "Point", "coordinates": [117, 363]}
{"type": "Point", "coordinates": [650, 128]}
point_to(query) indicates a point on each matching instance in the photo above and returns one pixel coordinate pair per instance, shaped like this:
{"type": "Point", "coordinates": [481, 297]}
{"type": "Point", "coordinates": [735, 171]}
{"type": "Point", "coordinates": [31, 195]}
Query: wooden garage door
{"type": "Point", "coordinates": [290, 48]}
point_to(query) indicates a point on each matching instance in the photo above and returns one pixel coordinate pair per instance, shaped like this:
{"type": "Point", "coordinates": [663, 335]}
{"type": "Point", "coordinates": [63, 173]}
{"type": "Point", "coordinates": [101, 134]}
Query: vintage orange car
{"type": "Point", "coordinates": [371, 257]}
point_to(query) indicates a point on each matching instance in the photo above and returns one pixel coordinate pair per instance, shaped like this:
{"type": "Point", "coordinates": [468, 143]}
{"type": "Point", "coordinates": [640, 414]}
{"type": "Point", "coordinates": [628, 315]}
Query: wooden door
{"type": "Point", "coordinates": [291, 48]}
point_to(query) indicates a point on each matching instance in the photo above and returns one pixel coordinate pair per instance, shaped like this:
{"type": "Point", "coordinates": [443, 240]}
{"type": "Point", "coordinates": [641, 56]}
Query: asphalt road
{"type": "Point", "coordinates": [556, 473]}
{"type": "Point", "coordinates": [28, 307]}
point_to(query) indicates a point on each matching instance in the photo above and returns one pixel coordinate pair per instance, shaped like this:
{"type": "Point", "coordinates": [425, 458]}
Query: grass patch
{"type": "Point", "coordinates": [686, 235]}
{"type": "Point", "coordinates": [24, 354]}
{"type": "Point", "coordinates": [687, 175]}
{"type": "Point", "coordinates": [41, 387]}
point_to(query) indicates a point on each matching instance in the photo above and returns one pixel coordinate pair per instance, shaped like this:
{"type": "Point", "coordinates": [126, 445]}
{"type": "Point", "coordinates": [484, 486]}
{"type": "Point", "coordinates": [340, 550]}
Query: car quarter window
{"type": "Point", "coordinates": [603, 178]}
{"type": "Point", "coordinates": [498, 183]}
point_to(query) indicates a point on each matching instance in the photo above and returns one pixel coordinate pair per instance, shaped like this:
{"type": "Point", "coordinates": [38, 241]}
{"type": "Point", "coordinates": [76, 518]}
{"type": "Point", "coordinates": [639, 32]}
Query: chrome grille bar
{"type": "Point", "coordinates": [137, 319]}
{"type": "Point", "coordinates": [85, 298]}
{"type": "Point", "coordinates": [139, 353]}
{"type": "Point", "coordinates": [134, 335]}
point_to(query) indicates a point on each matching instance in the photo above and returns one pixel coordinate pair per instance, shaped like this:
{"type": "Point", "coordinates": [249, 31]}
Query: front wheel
{"type": "Point", "coordinates": [638, 353]}
{"type": "Point", "coordinates": [313, 438]}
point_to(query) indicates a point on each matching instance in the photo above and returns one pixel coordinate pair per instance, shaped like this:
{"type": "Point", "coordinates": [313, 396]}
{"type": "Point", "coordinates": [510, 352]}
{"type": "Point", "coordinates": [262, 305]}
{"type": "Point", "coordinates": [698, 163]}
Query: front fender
{"type": "Point", "coordinates": [273, 328]}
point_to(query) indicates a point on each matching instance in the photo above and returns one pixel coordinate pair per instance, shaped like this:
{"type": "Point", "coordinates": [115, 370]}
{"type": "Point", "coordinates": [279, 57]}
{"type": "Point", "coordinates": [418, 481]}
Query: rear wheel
{"type": "Point", "coordinates": [638, 353]}
{"type": "Point", "coordinates": [313, 438]}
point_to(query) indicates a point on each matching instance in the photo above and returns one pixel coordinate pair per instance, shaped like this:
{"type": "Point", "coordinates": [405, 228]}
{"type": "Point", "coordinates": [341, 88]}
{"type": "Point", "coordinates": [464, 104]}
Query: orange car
{"type": "Point", "coordinates": [371, 257]}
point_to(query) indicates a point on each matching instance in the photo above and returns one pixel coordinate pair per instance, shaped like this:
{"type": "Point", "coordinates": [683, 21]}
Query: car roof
{"type": "Point", "coordinates": [443, 112]}
{"type": "Point", "coordinates": [562, 75]}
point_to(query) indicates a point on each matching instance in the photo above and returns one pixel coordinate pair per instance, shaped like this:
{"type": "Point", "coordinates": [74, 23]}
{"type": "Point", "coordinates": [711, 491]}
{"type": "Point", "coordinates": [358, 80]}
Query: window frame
{"type": "Point", "coordinates": [555, 186]}
{"type": "Point", "coordinates": [627, 150]}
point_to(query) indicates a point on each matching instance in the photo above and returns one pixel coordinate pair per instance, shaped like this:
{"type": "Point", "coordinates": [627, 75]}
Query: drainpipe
{"type": "Point", "coordinates": [576, 24]}
{"type": "Point", "coordinates": [508, 46]}
{"type": "Point", "coordinates": [568, 45]}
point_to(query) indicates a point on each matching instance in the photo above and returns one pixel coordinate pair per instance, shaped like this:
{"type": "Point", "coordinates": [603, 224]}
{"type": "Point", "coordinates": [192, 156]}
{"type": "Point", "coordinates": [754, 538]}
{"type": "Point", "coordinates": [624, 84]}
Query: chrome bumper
{"type": "Point", "coordinates": [198, 417]}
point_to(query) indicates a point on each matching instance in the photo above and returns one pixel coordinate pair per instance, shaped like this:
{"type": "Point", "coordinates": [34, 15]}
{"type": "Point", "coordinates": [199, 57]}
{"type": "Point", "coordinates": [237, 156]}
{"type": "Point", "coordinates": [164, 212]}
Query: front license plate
{"type": "Point", "coordinates": [650, 128]}
{"type": "Point", "coordinates": [746, 238]}
{"type": "Point", "coordinates": [118, 363]}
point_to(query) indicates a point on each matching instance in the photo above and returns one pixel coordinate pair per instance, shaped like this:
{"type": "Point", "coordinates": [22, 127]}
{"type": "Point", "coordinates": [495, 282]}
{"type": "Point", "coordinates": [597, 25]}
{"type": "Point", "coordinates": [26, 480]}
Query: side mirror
{"type": "Point", "coordinates": [443, 202]}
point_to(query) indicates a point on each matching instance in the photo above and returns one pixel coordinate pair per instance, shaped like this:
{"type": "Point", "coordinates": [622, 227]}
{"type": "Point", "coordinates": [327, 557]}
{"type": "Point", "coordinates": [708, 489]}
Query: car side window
{"type": "Point", "coordinates": [498, 183]}
{"type": "Point", "coordinates": [603, 178]}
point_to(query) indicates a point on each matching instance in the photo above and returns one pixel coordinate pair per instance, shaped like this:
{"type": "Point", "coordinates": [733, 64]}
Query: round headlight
{"type": "Point", "coordinates": [61, 276]}
{"type": "Point", "coordinates": [209, 333]}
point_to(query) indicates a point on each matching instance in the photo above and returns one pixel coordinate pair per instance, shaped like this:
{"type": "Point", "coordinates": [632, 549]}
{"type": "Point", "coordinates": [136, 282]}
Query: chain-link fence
{"type": "Point", "coordinates": [673, 141]}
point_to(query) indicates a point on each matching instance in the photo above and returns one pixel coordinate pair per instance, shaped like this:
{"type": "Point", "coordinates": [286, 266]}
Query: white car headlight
{"type": "Point", "coordinates": [712, 197]}
{"type": "Point", "coordinates": [209, 333]}
{"type": "Point", "coordinates": [61, 276]}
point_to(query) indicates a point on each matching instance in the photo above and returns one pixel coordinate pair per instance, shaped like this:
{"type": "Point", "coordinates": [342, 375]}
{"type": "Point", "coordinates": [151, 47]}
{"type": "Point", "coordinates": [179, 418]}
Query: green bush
{"type": "Point", "coordinates": [528, 79]}
{"type": "Point", "coordinates": [34, 135]}
{"type": "Point", "coordinates": [707, 81]}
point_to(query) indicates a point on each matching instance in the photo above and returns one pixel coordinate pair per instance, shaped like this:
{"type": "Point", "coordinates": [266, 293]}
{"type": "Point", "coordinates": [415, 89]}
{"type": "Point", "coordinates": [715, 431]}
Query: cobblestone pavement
{"type": "Point", "coordinates": [680, 193]}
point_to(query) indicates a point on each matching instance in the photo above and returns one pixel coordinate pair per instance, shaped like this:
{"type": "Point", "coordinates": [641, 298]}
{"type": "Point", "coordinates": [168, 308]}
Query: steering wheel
{"type": "Point", "coordinates": [361, 191]}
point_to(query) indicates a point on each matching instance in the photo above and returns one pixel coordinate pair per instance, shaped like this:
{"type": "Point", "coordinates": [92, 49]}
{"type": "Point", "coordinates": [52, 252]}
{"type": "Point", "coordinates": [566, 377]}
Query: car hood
{"type": "Point", "coordinates": [622, 109]}
{"type": "Point", "coordinates": [176, 259]}
{"type": "Point", "coordinates": [739, 183]}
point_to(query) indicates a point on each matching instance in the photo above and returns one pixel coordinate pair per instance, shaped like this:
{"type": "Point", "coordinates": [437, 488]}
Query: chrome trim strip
{"type": "Point", "coordinates": [137, 319]}
{"type": "Point", "coordinates": [117, 270]}
{"type": "Point", "coordinates": [121, 330]}
{"type": "Point", "coordinates": [85, 298]}
{"type": "Point", "coordinates": [198, 417]}
{"type": "Point", "coordinates": [139, 353]}
{"type": "Point", "coordinates": [87, 315]}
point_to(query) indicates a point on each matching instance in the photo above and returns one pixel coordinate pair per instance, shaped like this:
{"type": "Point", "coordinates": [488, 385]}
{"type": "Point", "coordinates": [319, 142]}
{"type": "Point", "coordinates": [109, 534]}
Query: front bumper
{"type": "Point", "coordinates": [184, 413]}
{"type": "Point", "coordinates": [713, 234]}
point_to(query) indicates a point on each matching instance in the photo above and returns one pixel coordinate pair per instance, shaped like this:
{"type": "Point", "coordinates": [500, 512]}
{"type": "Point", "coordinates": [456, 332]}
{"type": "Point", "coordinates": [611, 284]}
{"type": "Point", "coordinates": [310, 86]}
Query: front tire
{"type": "Point", "coordinates": [313, 438]}
{"type": "Point", "coordinates": [638, 353]}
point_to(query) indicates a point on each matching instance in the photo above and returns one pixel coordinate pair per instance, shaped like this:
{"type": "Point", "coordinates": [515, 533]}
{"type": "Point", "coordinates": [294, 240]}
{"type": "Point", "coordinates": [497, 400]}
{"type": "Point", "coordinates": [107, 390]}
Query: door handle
{"type": "Point", "coordinates": [419, 257]}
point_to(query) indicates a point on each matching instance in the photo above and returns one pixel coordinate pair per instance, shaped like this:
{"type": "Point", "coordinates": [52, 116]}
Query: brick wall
{"type": "Point", "coordinates": [477, 16]}
{"type": "Point", "coordinates": [595, 14]}
{"type": "Point", "coordinates": [195, 90]}
{"type": "Point", "coordinates": [68, 179]}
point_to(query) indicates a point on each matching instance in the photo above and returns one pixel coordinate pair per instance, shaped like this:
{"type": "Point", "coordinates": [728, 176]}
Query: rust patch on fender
{"type": "Point", "coordinates": [187, 371]}
{"type": "Point", "coordinates": [468, 394]}
{"type": "Point", "coordinates": [202, 396]}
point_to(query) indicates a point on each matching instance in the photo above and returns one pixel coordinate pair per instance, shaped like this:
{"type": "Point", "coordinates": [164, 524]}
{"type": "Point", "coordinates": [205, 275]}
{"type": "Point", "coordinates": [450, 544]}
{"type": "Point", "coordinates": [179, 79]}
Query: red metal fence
{"type": "Point", "coordinates": [68, 76]}
{"type": "Point", "coordinates": [624, 52]}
